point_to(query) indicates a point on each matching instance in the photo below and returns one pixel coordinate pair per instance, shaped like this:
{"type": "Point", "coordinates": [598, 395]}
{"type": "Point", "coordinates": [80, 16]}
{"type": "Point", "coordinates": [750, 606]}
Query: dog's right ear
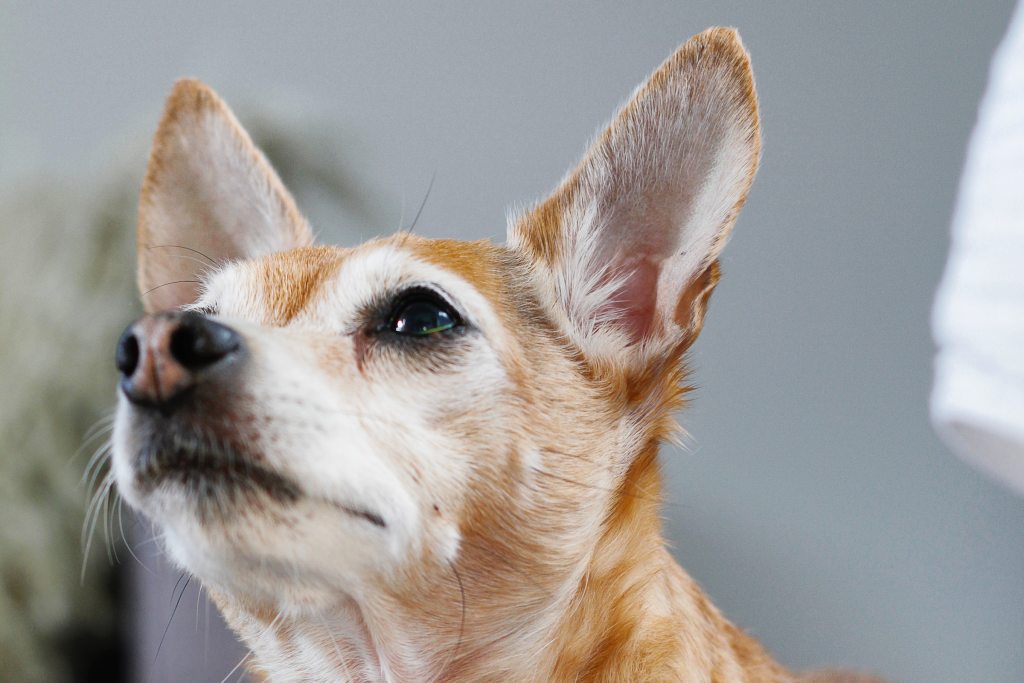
{"type": "Point", "coordinates": [209, 196]}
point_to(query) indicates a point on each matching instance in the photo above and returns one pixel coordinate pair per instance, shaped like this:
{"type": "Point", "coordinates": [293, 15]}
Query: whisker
{"type": "Point", "coordinates": [235, 667]}
{"type": "Point", "coordinates": [181, 577]}
{"type": "Point", "coordinates": [508, 563]}
{"type": "Point", "coordinates": [178, 246]}
{"type": "Point", "coordinates": [337, 649]}
{"type": "Point", "coordinates": [426, 196]}
{"type": "Point", "coordinates": [401, 214]}
{"type": "Point", "coordinates": [206, 632]}
{"type": "Point", "coordinates": [124, 537]}
{"type": "Point", "coordinates": [256, 642]}
{"type": "Point", "coordinates": [95, 462]}
{"type": "Point", "coordinates": [92, 515]}
{"type": "Point", "coordinates": [94, 468]}
{"type": "Point", "coordinates": [107, 529]}
{"type": "Point", "coordinates": [462, 621]}
{"type": "Point", "coordinates": [594, 487]}
{"type": "Point", "coordinates": [103, 421]}
{"type": "Point", "coordinates": [199, 596]}
{"type": "Point", "coordinates": [170, 619]}
{"type": "Point", "coordinates": [99, 428]}
{"type": "Point", "coordinates": [94, 495]}
{"type": "Point", "coordinates": [173, 282]}
{"type": "Point", "coordinates": [206, 266]}
{"type": "Point", "coordinates": [151, 539]}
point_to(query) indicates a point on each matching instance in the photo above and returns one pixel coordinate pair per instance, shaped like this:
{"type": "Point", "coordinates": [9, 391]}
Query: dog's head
{"type": "Point", "coordinates": [412, 425]}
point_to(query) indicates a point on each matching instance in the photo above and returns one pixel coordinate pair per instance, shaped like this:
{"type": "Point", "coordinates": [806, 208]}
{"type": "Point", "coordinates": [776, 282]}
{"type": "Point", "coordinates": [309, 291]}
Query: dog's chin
{"type": "Point", "coordinates": [257, 536]}
{"type": "Point", "coordinates": [300, 554]}
{"type": "Point", "coordinates": [243, 526]}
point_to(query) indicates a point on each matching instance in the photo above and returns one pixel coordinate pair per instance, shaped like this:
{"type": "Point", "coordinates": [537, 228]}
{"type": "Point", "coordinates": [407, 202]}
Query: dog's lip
{"type": "Point", "coordinates": [158, 463]}
{"type": "Point", "coordinates": [359, 513]}
{"type": "Point", "coordinates": [223, 467]}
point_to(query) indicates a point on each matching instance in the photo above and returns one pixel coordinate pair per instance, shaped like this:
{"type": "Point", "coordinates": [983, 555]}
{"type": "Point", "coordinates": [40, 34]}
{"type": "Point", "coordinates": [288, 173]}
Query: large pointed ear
{"type": "Point", "coordinates": [628, 242]}
{"type": "Point", "coordinates": [209, 196]}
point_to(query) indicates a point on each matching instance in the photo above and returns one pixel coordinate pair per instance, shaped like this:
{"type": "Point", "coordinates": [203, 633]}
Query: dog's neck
{"type": "Point", "coordinates": [626, 613]}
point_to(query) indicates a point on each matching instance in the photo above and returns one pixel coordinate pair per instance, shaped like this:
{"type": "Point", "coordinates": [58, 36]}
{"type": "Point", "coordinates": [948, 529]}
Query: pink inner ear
{"type": "Point", "coordinates": [633, 307]}
{"type": "Point", "coordinates": [645, 234]}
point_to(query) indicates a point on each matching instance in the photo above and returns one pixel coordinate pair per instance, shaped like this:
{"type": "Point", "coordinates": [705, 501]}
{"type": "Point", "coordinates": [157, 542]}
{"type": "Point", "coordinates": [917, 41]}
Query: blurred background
{"type": "Point", "coordinates": [815, 504]}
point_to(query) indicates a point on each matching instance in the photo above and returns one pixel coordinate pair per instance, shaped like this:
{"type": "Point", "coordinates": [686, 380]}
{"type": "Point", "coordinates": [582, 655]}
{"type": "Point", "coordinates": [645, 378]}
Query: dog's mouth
{"type": "Point", "coordinates": [215, 476]}
{"type": "Point", "coordinates": [208, 471]}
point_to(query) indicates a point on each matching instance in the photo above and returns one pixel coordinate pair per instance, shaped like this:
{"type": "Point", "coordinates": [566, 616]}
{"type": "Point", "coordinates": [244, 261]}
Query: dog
{"type": "Point", "coordinates": [424, 460]}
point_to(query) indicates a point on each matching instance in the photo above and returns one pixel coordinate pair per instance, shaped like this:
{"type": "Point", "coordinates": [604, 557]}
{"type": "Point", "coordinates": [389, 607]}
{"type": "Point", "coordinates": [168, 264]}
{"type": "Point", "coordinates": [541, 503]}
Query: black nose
{"type": "Point", "coordinates": [161, 356]}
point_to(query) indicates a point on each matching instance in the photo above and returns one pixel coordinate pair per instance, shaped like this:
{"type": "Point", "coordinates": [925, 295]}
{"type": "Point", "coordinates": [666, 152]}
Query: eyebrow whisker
{"type": "Point", "coordinates": [179, 246]}
{"type": "Point", "coordinates": [173, 282]}
{"type": "Point", "coordinates": [426, 196]}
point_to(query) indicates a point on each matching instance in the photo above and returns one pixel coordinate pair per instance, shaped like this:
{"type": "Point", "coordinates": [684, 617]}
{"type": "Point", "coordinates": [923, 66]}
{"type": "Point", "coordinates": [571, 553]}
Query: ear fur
{"type": "Point", "coordinates": [628, 242]}
{"type": "Point", "coordinates": [209, 195]}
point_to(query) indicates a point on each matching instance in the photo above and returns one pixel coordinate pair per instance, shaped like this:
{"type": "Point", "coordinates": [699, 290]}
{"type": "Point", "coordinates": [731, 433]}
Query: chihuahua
{"type": "Point", "coordinates": [434, 460]}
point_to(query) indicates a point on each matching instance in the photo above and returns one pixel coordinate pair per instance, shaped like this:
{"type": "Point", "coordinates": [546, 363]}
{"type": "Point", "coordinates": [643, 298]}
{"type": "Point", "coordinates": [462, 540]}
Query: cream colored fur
{"type": "Point", "coordinates": [480, 504]}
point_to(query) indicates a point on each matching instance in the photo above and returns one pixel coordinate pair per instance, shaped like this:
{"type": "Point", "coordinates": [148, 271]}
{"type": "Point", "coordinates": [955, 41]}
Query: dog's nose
{"type": "Point", "coordinates": [162, 356]}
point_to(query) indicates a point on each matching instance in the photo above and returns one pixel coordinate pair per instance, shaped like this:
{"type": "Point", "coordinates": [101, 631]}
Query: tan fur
{"type": "Point", "coordinates": [527, 443]}
{"type": "Point", "coordinates": [290, 279]}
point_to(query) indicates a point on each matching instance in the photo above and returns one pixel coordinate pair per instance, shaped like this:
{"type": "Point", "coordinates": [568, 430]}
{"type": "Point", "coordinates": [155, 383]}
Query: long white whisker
{"type": "Point", "coordinates": [105, 420]}
{"type": "Point", "coordinates": [199, 596]}
{"type": "Point", "coordinates": [102, 427]}
{"type": "Point", "coordinates": [91, 518]}
{"type": "Point", "coordinates": [95, 464]}
{"type": "Point", "coordinates": [235, 667]}
{"type": "Point", "coordinates": [108, 528]}
{"type": "Point", "coordinates": [124, 537]}
{"type": "Point", "coordinates": [256, 642]}
{"type": "Point", "coordinates": [337, 649]}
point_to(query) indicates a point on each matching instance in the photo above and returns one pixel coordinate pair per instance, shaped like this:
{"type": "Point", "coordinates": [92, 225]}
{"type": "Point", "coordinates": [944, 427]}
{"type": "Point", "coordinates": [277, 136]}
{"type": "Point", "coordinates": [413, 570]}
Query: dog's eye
{"type": "Point", "coordinates": [422, 314]}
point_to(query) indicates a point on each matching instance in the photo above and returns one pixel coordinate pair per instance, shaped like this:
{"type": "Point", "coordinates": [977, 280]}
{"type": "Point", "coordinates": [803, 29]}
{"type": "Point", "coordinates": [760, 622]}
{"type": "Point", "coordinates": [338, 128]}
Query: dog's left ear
{"type": "Point", "coordinates": [209, 196]}
{"type": "Point", "coordinates": [628, 243]}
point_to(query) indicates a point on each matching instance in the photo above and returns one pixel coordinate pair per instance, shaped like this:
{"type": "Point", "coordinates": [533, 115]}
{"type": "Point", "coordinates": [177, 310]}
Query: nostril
{"type": "Point", "coordinates": [182, 346]}
{"type": "Point", "coordinates": [126, 356]}
{"type": "Point", "coordinates": [199, 342]}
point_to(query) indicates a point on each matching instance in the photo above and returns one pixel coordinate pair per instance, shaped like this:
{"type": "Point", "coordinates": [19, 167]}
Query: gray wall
{"type": "Point", "coordinates": [816, 505]}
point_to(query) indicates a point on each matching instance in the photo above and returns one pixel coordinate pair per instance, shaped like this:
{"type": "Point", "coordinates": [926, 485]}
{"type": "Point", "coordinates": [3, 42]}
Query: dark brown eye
{"type": "Point", "coordinates": [422, 314]}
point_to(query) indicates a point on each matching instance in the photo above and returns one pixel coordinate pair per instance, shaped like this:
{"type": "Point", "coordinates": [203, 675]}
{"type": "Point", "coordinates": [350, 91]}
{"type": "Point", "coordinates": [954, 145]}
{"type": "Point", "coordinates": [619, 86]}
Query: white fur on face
{"type": "Point", "coordinates": [368, 439]}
